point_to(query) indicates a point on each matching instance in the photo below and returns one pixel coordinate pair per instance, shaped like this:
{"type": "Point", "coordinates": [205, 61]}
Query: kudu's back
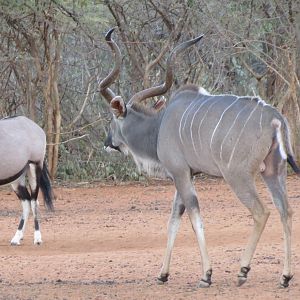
{"type": "Point", "coordinates": [216, 134]}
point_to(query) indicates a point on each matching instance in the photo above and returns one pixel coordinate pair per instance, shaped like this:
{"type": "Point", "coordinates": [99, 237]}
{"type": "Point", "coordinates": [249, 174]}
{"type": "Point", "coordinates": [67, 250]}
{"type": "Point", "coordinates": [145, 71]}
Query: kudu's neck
{"type": "Point", "coordinates": [142, 143]}
{"type": "Point", "coordinates": [142, 140]}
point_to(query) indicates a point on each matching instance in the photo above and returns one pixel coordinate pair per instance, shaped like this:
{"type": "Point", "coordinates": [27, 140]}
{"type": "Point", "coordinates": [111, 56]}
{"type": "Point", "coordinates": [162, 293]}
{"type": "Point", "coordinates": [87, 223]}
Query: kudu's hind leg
{"type": "Point", "coordinates": [245, 190]}
{"type": "Point", "coordinates": [275, 178]}
{"type": "Point", "coordinates": [34, 176]}
{"type": "Point", "coordinates": [173, 225]}
{"type": "Point", "coordinates": [187, 193]}
{"type": "Point", "coordinates": [19, 187]}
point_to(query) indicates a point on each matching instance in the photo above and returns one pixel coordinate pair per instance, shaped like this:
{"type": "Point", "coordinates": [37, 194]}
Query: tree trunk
{"type": "Point", "coordinates": [53, 114]}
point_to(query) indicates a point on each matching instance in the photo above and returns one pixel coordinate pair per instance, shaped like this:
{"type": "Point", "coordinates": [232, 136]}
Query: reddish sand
{"type": "Point", "coordinates": [107, 242]}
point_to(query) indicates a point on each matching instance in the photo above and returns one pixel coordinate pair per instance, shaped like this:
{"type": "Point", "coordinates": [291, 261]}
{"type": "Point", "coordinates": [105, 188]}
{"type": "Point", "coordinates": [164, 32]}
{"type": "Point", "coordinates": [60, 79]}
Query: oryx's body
{"type": "Point", "coordinates": [22, 151]}
{"type": "Point", "coordinates": [222, 135]}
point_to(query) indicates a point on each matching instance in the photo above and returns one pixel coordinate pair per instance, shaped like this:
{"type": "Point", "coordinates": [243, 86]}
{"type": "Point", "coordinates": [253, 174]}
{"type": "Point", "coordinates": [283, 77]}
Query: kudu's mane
{"type": "Point", "coordinates": [150, 111]}
{"type": "Point", "coordinates": [193, 89]}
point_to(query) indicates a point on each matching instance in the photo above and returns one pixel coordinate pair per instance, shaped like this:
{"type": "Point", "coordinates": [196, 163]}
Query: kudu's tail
{"type": "Point", "coordinates": [45, 185]}
{"type": "Point", "coordinates": [288, 147]}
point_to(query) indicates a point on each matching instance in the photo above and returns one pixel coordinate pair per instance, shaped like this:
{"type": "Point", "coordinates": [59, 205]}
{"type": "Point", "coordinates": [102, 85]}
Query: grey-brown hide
{"type": "Point", "coordinates": [126, 135]}
{"type": "Point", "coordinates": [21, 140]}
{"type": "Point", "coordinates": [22, 152]}
{"type": "Point", "coordinates": [222, 135]}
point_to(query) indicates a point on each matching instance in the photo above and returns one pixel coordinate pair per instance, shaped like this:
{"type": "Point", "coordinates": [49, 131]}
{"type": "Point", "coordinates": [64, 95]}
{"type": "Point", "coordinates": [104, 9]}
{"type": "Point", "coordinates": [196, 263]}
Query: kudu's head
{"type": "Point", "coordinates": [123, 120]}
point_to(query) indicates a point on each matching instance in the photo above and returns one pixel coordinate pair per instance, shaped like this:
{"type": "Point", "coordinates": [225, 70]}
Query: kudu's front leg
{"type": "Point", "coordinates": [188, 194]}
{"type": "Point", "coordinates": [173, 225]}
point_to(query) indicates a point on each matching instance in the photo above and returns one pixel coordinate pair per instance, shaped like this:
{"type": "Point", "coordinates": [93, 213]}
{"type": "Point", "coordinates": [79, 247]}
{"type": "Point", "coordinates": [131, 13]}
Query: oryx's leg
{"type": "Point", "coordinates": [244, 187]}
{"type": "Point", "coordinates": [174, 222]}
{"type": "Point", "coordinates": [34, 175]}
{"type": "Point", "coordinates": [19, 187]}
{"type": "Point", "coordinates": [188, 195]}
{"type": "Point", "coordinates": [275, 178]}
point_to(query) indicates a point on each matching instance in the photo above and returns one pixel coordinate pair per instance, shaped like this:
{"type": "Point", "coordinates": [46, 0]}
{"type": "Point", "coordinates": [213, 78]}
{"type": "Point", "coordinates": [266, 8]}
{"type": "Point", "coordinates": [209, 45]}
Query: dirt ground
{"type": "Point", "coordinates": [107, 242]}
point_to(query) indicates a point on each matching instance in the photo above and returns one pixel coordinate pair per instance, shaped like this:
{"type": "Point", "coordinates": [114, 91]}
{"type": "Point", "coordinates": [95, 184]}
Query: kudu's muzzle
{"type": "Point", "coordinates": [108, 145]}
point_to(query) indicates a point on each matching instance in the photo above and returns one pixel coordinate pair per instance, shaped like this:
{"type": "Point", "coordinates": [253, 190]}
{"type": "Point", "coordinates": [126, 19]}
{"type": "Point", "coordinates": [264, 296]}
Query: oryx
{"type": "Point", "coordinates": [22, 152]}
{"type": "Point", "coordinates": [229, 136]}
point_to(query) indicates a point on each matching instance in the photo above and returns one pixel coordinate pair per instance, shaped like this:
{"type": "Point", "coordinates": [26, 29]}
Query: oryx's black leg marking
{"type": "Point", "coordinates": [36, 225]}
{"type": "Point", "coordinates": [34, 182]}
{"type": "Point", "coordinates": [21, 224]}
{"type": "Point", "coordinates": [34, 186]}
{"type": "Point", "coordinates": [242, 276]}
{"type": "Point", "coordinates": [37, 233]}
{"type": "Point", "coordinates": [23, 194]}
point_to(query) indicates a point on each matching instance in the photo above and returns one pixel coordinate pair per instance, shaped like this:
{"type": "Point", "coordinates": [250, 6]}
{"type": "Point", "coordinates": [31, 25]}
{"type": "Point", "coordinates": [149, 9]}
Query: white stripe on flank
{"type": "Point", "coordinates": [231, 127]}
{"type": "Point", "coordinates": [222, 115]}
{"type": "Point", "coordinates": [242, 130]}
{"type": "Point", "coordinates": [260, 119]}
{"type": "Point", "coordinates": [203, 120]}
{"type": "Point", "coordinates": [190, 111]}
{"type": "Point", "coordinates": [180, 123]}
{"type": "Point", "coordinates": [202, 103]}
{"type": "Point", "coordinates": [199, 124]}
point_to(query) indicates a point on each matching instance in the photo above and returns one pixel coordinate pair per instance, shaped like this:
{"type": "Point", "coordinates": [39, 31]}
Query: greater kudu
{"type": "Point", "coordinates": [222, 135]}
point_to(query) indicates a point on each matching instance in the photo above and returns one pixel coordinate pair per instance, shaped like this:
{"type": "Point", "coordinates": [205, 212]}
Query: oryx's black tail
{"type": "Point", "coordinates": [45, 185]}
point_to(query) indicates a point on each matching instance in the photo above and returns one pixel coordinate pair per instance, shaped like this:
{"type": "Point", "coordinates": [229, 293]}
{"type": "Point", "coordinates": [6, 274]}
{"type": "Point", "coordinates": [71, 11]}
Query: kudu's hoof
{"type": "Point", "coordinates": [285, 280]}
{"type": "Point", "coordinates": [242, 277]}
{"type": "Point", "coordinates": [161, 279]}
{"type": "Point", "coordinates": [241, 281]}
{"type": "Point", "coordinates": [205, 283]}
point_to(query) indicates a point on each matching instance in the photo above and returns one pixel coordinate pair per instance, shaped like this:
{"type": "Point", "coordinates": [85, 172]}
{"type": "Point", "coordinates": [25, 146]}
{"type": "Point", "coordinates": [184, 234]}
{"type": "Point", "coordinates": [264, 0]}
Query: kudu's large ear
{"type": "Point", "coordinates": [118, 107]}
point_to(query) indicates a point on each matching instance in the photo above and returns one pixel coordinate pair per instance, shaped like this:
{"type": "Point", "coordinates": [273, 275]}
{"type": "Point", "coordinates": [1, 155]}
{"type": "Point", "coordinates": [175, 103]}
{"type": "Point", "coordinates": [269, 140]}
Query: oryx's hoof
{"type": "Point", "coordinates": [15, 243]}
{"type": "Point", "coordinates": [285, 280]}
{"type": "Point", "coordinates": [242, 277]}
{"type": "Point", "coordinates": [205, 283]}
{"type": "Point", "coordinates": [16, 240]}
{"type": "Point", "coordinates": [162, 278]}
{"type": "Point", "coordinates": [37, 238]}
